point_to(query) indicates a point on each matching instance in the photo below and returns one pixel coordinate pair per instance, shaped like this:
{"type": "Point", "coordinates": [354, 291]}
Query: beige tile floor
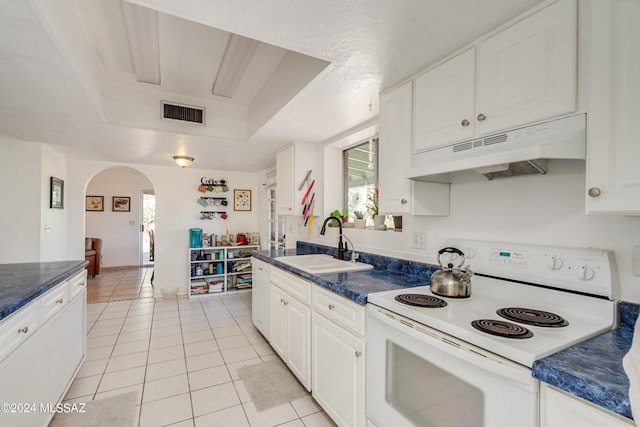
{"type": "Point", "coordinates": [120, 284]}
{"type": "Point", "coordinates": [181, 357]}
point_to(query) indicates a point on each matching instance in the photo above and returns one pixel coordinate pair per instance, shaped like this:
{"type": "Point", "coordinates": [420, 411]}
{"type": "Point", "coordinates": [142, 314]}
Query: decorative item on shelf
{"type": "Point", "coordinates": [213, 201]}
{"type": "Point", "coordinates": [343, 214]}
{"type": "Point", "coordinates": [215, 185]}
{"type": "Point", "coordinates": [397, 223]}
{"type": "Point", "coordinates": [205, 240]}
{"type": "Point", "coordinates": [241, 239]}
{"type": "Point", "coordinates": [195, 237]}
{"type": "Point", "coordinates": [359, 221]}
{"type": "Point", "coordinates": [213, 215]}
{"type": "Point", "coordinates": [374, 209]}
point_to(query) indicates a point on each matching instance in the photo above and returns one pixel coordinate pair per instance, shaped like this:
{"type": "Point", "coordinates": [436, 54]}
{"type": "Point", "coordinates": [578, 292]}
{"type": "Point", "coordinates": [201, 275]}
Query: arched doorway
{"type": "Point", "coordinates": [120, 210]}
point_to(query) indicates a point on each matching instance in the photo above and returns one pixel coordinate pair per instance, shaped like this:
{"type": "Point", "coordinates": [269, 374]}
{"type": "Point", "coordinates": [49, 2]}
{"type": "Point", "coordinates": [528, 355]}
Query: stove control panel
{"type": "Point", "coordinates": [510, 257]}
{"type": "Point", "coordinates": [586, 270]}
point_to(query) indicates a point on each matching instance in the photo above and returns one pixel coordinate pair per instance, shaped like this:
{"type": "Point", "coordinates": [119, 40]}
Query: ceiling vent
{"type": "Point", "coordinates": [182, 113]}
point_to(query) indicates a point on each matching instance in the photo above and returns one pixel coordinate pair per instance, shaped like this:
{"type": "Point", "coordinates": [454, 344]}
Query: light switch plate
{"type": "Point", "coordinates": [635, 259]}
{"type": "Point", "coordinates": [419, 240]}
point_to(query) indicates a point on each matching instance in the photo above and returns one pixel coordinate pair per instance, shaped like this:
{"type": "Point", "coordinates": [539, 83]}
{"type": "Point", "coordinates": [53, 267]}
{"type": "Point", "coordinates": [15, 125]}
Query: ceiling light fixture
{"type": "Point", "coordinates": [144, 41]}
{"type": "Point", "coordinates": [236, 57]}
{"type": "Point", "coordinates": [183, 161]}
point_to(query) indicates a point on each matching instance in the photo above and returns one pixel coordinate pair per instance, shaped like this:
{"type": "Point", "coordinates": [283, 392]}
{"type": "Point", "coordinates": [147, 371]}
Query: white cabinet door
{"type": "Point", "coordinates": [285, 172]}
{"type": "Point", "coordinates": [290, 333]}
{"type": "Point", "coordinates": [299, 340]}
{"type": "Point", "coordinates": [277, 330]}
{"type": "Point", "coordinates": [444, 103]}
{"type": "Point", "coordinates": [561, 410]}
{"type": "Point", "coordinates": [338, 372]}
{"type": "Point", "coordinates": [613, 148]}
{"type": "Point", "coordinates": [260, 301]}
{"type": "Point", "coordinates": [527, 72]}
{"type": "Point", "coordinates": [399, 195]}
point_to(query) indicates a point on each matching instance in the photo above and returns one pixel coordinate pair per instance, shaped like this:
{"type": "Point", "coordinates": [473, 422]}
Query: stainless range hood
{"type": "Point", "coordinates": [522, 151]}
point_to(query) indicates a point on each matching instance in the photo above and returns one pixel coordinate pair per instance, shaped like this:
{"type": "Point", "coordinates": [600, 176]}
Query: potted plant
{"type": "Point", "coordinates": [378, 220]}
{"type": "Point", "coordinates": [359, 222]}
{"type": "Point", "coordinates": [343, 214]}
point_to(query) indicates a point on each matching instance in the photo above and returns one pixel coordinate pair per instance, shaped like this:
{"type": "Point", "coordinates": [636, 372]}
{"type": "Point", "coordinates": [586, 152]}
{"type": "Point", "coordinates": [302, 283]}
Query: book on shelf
{"type": "Point", "coordinates": [241, 266]}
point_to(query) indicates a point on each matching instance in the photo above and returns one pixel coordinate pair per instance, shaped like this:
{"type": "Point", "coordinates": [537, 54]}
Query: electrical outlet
{"type": "Point", "coordinates": [419, 240]}
{"type": "Point", "coordinates": [635, 259]}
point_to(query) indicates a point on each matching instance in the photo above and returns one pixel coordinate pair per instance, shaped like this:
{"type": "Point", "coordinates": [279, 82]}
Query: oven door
{"type": "Point", "coordinates": [417, 376]}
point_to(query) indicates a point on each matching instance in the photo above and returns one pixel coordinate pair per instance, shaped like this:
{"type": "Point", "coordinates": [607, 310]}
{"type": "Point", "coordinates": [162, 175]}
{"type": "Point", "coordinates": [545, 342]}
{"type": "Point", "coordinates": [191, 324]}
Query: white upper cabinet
{"type": "Point", "coordinates": [285, 190]}
{"type": "Point", "coordinates": [524, 74]}
{"type": "Point", "coordinates": [444, 104]}
{"type": "Point", "coordinates": [528, 72]}
{"type": "Point", "coordinates": [399, 195]}
{"type": "Point", "coordinates": [613, 138]}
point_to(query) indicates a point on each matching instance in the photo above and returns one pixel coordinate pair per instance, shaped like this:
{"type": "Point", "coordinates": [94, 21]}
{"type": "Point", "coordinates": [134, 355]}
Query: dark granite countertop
{"type": "Point", "coordinates": [592, 370]}
{"type": "Point", "coordinates": [387, 274]}
{"type": "Point", "coordinates": [22, 283]}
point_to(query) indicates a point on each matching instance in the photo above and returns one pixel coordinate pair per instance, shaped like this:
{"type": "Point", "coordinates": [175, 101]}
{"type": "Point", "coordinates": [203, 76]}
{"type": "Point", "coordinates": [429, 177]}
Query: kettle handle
{"type": "Point", "coordinates": [451, 250]}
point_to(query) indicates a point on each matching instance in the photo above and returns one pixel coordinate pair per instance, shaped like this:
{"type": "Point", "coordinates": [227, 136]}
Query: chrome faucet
{"type": "Point", "coordinates": [342, 246]}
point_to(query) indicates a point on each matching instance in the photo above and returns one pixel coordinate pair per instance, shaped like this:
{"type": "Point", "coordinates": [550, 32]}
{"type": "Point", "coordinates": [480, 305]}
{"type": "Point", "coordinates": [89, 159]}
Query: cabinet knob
{"type": "Point", "coordinates": [358, 353]}
{"type": "Point", "coordinates": [594, 192]}
{"type": "Point", "coordinates": [59, 301]}
{"type": "Point", "coordinates": [404, 201]}
{"type": "Point", "coordinates": [465, 123]}
{"type": "Point", "coordinates": [331, 306]}
{"type": "Point", "coordinates": [286, 303]}
{"type": "Point", "coordinates": [281, 301]}
{"type": "Point", "coordinates": [481, 117]}
{"type": "Point", "coordinates": [23, 330]}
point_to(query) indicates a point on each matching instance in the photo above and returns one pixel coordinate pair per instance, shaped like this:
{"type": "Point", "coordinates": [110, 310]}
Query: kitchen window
{"type": "Point", "coordinates": [361, 182]}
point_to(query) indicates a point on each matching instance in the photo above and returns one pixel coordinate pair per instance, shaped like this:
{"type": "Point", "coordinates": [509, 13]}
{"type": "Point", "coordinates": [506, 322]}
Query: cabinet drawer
{"type": "Point", "coordinates": [348, 314]}
{"type": "Point", "coordinates": [18, 327]}
{"type": "Point", "coordinates": [298, 288]}
{"type": "Point", "coordinates": [77, 284]}
{"type": "Point", "coordinates": [54, 300]}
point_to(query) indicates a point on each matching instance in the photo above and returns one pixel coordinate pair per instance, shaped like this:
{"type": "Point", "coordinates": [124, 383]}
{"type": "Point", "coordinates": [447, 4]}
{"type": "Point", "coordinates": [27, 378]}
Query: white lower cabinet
{"type": "Point", "coordinates": [290, 329]}
{"type": "Point", "coordinates": [559, 409]}
{"type": "Point", "coordinates": [260, 296]}
{"type": "Point", "coordinates": [38, 372]}
{"type": "Point", "coordinates": [337, 334]}
{"type": "Point", "coordinates": [338, 372]}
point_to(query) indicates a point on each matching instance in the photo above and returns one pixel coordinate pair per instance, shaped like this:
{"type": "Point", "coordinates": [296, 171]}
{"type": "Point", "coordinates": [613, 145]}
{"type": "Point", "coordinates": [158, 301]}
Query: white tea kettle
{"type": "Point", "coordinates": [454, 282]}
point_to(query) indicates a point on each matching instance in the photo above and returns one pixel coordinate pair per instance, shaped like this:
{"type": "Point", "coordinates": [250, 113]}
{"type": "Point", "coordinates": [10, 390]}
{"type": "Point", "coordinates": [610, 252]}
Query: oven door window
{"type": "Point", "coordinates": [429, 396]}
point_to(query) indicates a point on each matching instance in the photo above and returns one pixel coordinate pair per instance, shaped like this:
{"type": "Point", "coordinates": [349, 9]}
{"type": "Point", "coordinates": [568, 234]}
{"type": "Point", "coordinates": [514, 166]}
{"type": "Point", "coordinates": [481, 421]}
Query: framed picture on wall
{"type": "Point", "coordinates": [121, 204]}
{"type": "Point", "coordinates": [242, 200]}
{"type": "Point", "coordinates": [57, 194]}
{"type": "Point", "coordinates": [94, 203]}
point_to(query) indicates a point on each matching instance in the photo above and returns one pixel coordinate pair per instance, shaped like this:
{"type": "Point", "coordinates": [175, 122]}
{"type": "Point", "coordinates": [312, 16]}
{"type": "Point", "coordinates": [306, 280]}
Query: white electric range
{"type": "Point", "coordinates": [422, 362]}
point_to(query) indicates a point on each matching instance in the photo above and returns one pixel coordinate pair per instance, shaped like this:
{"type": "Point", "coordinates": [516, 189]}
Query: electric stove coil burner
{"type": "Point", "coordinates": [501, 328]}
{"type": "Point", "coordinates": [532, 317]}
{"type": "Point", "coordinates": [421, 300]}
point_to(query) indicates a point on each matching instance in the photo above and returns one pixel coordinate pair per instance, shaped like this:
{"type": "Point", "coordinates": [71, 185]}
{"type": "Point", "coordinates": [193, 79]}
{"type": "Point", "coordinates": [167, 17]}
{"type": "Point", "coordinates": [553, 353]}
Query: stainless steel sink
{"type": "Point", "coordinates": [321, 264]}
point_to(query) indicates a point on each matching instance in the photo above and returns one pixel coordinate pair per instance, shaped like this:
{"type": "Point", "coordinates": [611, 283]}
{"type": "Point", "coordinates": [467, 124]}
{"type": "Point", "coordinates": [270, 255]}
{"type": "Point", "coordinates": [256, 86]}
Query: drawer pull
{"type": "Point", "coordinates": [331, 306]}
{"type": "Point", "coordinates": [481, 117]}
{"type": "Point", "coordinates": [59, 301]}
{"type": "Point", "coordinates": [465, 123]}
{"type": "Point", "coordinates": [358, 353]}
{"type": "Point", "coordinates": [23, 330]}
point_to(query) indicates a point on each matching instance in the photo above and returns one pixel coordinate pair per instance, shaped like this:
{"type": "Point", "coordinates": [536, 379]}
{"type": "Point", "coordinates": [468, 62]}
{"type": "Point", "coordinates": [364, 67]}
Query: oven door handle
{"type": "Point", "coordinates": [455, 347]}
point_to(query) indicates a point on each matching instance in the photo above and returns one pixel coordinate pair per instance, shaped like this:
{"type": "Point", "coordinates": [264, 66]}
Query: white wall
{"type": "Point", "coordinates": [538, 209]}
{"type": "Point", "coordinates": [21, 189]}
{"type": "Point", "coordinates": [54, 222]}
{"type": "Point", "coordinates": [176, 212]}
{"type": "Point", "coordinates": [119, 231]}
